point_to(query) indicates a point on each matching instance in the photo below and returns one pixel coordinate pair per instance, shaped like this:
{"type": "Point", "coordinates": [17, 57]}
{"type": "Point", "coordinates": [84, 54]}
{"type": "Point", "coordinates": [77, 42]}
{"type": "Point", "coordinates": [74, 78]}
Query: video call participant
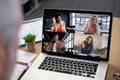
{"type": "Point", "coordinates": [56, 45]}
{"type": "Point", "coordinates": [58, 24]}
{"type": "Point", "coordinates": [92, 26]}
{"type": "Point", "coordinates": [87, 46]}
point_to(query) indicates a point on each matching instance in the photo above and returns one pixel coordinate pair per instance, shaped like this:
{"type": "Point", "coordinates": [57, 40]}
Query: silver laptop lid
{"type": "Point", "coordinates": [77, 34]}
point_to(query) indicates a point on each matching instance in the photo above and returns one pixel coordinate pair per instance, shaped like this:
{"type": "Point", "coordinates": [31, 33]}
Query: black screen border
{"type": "Point", "coordinates": [76, 56]}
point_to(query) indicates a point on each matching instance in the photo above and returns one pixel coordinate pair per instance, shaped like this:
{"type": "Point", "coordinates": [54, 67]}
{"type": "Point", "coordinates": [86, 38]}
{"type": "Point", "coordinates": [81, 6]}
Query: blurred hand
{"type": "Point", "coordinates": [83, 44]}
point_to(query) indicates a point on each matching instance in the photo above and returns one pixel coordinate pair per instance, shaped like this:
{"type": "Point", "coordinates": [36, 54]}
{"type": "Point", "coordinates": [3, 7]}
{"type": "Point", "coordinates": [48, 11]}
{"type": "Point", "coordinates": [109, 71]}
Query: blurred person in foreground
{"type": "Point", "coordinates": [10, 21]}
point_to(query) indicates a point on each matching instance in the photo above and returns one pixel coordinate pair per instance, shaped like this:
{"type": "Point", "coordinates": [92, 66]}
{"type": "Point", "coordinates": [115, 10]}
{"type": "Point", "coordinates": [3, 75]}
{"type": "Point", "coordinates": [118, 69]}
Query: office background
{"type": "Point", "coordinates": [102, 5]}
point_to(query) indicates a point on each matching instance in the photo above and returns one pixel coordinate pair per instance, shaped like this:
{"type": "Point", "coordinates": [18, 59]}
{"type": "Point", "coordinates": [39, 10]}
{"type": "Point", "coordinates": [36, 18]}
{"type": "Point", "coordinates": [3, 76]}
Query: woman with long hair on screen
{"type": "Point", "coordinates": [87, 45]}
{"type": "Point", "coordinates": [58, 24]}
{"type": "Point", "coordinates": [92, 26]}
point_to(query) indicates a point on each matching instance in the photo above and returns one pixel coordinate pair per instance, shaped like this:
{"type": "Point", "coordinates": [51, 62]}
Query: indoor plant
{"type": "Point", "coordinates": [30, 42]}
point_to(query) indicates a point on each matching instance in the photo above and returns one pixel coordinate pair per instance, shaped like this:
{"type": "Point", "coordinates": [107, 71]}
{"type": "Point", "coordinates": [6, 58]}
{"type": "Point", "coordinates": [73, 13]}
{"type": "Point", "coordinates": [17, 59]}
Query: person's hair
{"type": "Point", "coordinates": [56, 35]}
{"type": "Point", "coordinates": [53, 38]}
{"type": "Point", "coordinates": [87, 46]}
{"type": "Point", "coordinates": [91, 39]}
{"type": "Point", "coordinates": [56, 16]}
{"type": "Point", "coordinates": [93, 17]}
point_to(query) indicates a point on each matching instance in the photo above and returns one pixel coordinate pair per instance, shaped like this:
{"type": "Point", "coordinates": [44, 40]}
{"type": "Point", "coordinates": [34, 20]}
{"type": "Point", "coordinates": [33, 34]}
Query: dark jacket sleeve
{"type": "Point", "coordinates": [88, 51]}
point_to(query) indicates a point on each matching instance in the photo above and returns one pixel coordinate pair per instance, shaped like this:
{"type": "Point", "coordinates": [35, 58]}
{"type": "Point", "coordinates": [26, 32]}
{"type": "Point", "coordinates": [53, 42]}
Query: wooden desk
{"type": "Point", "coordinates": [115, 43]}
{"type": "Point", "coordinates": [114, 64]}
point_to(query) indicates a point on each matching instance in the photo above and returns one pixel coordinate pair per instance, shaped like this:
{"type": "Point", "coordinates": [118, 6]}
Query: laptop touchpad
{"type": "Point", "coordinates": [59, 77]}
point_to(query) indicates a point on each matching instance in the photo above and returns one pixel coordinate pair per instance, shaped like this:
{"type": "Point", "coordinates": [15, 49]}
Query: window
{"type": "Point", "coordinates": [72, 19]}
{"type": "Point", "coordinates": [69, 41]}
{"type": "Point", "coordinates": [105, 23]}
{"type": "Point", "coordinates": [79, 20]}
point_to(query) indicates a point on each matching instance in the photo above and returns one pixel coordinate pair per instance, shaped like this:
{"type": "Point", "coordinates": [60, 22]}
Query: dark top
{"type": "Point", "coordinates": [90, 50]}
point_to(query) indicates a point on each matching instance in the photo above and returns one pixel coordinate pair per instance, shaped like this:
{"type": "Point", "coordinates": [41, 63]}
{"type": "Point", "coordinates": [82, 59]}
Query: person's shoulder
{"type": "Point", "coordinates": [97, 25]}
{"type": "Point", "coordinates": [91, 44]}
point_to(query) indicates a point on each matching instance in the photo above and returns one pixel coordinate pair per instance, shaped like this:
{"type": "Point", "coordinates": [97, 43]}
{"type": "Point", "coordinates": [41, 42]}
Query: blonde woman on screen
{"type": "Point", "coordinates": [92, 26]}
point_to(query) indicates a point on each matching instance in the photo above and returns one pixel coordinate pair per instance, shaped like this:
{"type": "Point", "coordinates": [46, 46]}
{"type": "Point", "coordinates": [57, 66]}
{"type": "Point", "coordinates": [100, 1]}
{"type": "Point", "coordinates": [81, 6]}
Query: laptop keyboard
{"type": "Point", "coordinates": [78, 68]}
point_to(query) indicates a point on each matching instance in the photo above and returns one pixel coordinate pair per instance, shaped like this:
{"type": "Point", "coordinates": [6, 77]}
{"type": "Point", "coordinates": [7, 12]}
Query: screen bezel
{"type": "Point", "coordinates": [76, 56]}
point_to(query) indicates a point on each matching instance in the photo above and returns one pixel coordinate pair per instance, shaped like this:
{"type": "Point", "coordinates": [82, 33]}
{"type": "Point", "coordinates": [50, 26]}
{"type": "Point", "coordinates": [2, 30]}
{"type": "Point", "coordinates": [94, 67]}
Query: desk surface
{"type": "Point", "coordinates": [114, 64]}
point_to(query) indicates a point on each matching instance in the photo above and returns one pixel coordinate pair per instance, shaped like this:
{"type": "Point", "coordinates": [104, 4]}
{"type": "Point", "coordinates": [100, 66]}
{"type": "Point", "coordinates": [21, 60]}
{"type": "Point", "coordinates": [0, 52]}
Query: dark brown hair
{"type": "Point", "coordinates": [91, 39]}
{"type": "Point", "coordinates": [56, 16]}
{"type": "Point", "coordinates": [87, 46]}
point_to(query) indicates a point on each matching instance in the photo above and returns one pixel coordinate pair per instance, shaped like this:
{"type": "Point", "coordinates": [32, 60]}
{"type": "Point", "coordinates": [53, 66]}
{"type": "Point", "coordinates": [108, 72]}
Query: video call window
{"type": "Point", "coordinates": [82, 34]}
{"type": "Point", "coordinates": [90, 45]}
{"type": "Point", "coordinates": [80, 21]}
{"type": "Point", "coordinates": [57, 21]}
{"type": "Point", "coordinates": [57, 42]}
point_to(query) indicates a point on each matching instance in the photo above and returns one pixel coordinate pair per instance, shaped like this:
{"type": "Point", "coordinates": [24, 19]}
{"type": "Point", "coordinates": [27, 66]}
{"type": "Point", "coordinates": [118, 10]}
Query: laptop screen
{"type": "Point", "coordinates": [83, 34]}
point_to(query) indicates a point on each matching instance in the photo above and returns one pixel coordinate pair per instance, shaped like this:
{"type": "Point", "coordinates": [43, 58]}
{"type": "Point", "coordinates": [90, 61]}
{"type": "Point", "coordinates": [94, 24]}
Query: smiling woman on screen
{"type": "Point", "coordinates": [92, 26]}
{"type": "Point", "coordinates": [58, 23]}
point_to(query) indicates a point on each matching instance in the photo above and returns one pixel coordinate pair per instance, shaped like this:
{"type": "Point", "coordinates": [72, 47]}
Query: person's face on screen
{"type": "Point", "coordinates": [94, 20]}
{"type": "Point", "coordinates": [59, 18]}
{"type": "Point", "coordinates": [56, 38]}
{"type": "Point", "coordinates": [89, 40]}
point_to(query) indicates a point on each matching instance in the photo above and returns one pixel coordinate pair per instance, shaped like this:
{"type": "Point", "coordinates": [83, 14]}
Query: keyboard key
{"type": "Point", "coordinates": [92, 77]}
{"type": "Point", "coordinates": [88, 75]}
{"type": "Point", "coordinates": [67, 72]}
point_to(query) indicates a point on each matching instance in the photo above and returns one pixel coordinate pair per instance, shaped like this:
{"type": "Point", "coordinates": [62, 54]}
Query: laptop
{"type": "Point", "coordinates": [75, 46]}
